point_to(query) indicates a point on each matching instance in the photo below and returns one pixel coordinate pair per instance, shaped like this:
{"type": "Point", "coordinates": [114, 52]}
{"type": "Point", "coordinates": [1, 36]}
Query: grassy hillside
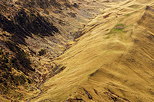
{"type": "Point", "coordinates": [112, 62]}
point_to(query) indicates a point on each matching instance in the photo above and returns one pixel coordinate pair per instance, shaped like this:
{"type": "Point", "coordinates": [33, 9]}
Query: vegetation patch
{"type": "Point", "coordinates": [119, 28]}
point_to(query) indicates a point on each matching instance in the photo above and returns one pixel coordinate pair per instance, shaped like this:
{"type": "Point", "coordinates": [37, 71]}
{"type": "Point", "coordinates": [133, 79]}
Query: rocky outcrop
{"type": "Point", "coordinates": [23, 25]}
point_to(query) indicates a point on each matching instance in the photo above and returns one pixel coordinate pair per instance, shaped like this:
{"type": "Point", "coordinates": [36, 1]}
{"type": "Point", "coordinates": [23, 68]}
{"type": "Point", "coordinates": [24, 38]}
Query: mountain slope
{"type": "Point", "coordinates": [112, 61]}
{"type": "Point", "coordinates": [32, 34]}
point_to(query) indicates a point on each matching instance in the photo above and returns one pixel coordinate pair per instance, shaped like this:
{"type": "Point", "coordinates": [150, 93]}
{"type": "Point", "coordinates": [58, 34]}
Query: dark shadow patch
{"type": "Point", "coordinates": [88, 94]}
{"type": "Point", "coordinates": [8, 80]}
{"type": "Point", "coordinates": [58, 68]}
{"type": "Point", "coordinates": [42, 52]}
{"type": "Point", "coordinates": [94, 73]}
{"type": "Point", "coordinates": [75, 100]}
{"type": "Point", "coordinates": [151, 37]}
{"type": "Point", "coordinates": [20, 61]}
{"type": "Point", "coordinates": [24, 25]}
{"type": "Point", "coordinates": [39, 3]}
{"type": "Point", "coordinates": [114, 97]}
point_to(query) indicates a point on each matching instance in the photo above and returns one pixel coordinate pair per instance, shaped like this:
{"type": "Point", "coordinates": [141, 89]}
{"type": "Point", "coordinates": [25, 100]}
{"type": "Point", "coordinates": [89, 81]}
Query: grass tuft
{"type": "Point", "coordinates": [117, 29]}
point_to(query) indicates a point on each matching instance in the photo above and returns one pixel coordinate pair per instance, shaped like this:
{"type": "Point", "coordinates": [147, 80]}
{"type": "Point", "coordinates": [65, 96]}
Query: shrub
{"type": "Point", "coordinates": [42, 52]}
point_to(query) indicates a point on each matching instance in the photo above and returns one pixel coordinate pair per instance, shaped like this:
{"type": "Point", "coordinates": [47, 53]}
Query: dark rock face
{"type": "Point", "coordinates": [9, 61]}
{"type": "Point", "coordinates": [20, 61]}
{"type": "Point", "coordinates": [40, 3]}
{"type": "Point", "coordinates": [24, 25]}
{"type": "Point", "coordinates": [35, 24]}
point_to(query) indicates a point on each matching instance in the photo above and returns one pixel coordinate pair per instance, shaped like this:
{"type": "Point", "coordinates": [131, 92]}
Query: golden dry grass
{"type": "Point", "coordinates": [112, 61]}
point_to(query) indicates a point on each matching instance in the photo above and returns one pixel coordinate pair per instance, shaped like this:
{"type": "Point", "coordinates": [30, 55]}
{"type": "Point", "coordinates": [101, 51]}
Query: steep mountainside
{"type": "Point", "coordinates": [76, 51]}
{"type": "Point", "coordinates": [32, 34]}
{"type": "Point", "coordinates": [112, 62]}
